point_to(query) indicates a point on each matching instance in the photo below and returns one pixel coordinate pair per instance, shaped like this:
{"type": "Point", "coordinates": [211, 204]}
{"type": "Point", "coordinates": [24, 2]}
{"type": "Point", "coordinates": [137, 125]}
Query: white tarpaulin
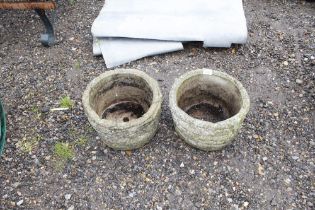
{"type": "Point", "coordinates": [117, 51]}
{"type": "Point", "coordinates": [127, 30]}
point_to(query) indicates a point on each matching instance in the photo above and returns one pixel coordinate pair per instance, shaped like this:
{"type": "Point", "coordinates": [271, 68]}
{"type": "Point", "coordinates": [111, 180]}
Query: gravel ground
{"type": "Point", "coordinates": [270, 165]}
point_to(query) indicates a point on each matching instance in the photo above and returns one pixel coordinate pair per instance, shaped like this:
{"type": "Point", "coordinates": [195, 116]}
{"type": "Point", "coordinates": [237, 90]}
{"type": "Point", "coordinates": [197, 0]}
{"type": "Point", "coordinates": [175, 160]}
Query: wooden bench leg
{"type": "Point", "coordinates": [48, 38]}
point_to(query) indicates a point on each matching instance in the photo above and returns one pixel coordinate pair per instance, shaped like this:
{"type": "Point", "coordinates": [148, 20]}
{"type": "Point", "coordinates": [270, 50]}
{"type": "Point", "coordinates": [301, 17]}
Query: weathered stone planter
{"type": "Point", "coordinates": [124, 107]}
{"type": "Point", "coordinates": [208, 108]}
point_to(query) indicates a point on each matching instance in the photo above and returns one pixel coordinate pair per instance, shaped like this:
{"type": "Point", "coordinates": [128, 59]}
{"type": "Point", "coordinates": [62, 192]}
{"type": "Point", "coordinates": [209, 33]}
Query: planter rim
{"type": "Point", "coordinates": [152, 83]}
{"type": "Point", "coordinates": [179, 81]}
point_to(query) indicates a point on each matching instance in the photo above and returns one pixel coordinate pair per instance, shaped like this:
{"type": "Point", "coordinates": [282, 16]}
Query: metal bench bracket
{"type": "Point", "coordinates": [48, 38]}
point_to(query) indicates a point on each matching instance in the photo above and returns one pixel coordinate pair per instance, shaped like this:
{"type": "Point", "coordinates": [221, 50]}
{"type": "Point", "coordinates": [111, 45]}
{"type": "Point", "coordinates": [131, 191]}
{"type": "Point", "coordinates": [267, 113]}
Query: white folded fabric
{"type": "Point", "coordinates": [117, 51]}
{"type": "Point", "coordinates": [218, 23]}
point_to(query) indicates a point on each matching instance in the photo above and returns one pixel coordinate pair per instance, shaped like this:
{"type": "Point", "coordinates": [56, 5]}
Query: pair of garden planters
{"type": "Point", "coordinates": [124, 107]}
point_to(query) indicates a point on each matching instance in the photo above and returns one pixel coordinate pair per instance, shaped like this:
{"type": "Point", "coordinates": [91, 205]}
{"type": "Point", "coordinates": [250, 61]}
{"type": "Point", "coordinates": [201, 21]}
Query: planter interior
{"type": "Point", "coordinates": [121, 98]}
{"type": "Point", "coordinates": [209, 98]}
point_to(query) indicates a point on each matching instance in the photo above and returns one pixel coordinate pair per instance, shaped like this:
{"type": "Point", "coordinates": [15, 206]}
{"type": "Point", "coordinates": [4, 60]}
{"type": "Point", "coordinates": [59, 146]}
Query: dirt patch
{"type": "Point", "coordinates": [208, 112]}
{"type": "Point", "coordinates": [123, 111]}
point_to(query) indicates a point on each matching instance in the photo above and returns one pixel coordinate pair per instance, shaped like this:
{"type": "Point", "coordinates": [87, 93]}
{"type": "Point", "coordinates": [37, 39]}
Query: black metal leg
{"type": "Point", "coordinates": [48, 38]}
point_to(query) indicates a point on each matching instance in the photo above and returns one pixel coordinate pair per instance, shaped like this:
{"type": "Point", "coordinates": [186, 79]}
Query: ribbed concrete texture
{"type": "Point", "coordinates": [208, 108]}
{"type": "Point", "coordinates": [124, 107]}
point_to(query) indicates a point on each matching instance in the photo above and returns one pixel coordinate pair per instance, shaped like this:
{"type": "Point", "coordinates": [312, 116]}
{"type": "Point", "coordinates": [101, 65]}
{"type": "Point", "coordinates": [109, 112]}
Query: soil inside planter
{"type": "Point", "coordinates": [122, 98]}
{"type": "Point", "coordinates": [209, 98]}
{"type": "Point", "coordinates": [207, 112]}
{"type": "Point", "coordinates": [125, 110]}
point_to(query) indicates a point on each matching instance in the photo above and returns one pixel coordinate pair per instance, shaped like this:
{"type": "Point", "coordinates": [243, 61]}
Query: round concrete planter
{"type": "Point", "coordinates": [208, 108]}
{"type": "Point", "coordinates": [124, 107]}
